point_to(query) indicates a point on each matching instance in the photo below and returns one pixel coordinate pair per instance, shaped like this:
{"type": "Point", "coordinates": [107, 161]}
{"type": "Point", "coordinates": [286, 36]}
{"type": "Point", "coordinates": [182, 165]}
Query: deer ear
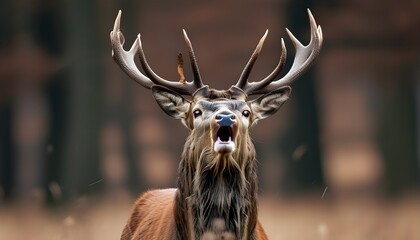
{"type": "Point", "coordinates": [171, 102]}
{"type": "Point", "coordinates": [268, 104]}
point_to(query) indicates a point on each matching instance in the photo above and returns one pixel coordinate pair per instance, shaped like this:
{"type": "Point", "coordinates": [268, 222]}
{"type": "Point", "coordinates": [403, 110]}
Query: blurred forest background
{"type": "Point", "coordinates": [79, 140]}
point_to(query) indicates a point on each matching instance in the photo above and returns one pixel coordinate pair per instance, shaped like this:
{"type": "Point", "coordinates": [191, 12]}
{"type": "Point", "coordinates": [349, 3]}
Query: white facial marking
{"type": "Point", "coordinates": [224, 146]}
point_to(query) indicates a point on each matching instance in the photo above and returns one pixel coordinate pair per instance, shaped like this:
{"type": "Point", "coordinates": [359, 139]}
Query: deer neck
{"type": "Point", "coordinates": [216, 195]}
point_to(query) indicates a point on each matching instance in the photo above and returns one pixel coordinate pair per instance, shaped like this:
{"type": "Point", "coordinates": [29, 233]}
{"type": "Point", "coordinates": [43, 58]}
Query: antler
{"type": "Point", "coordinates": [303, 59]}
{"type": "Point", "coordinates": [125, 59]}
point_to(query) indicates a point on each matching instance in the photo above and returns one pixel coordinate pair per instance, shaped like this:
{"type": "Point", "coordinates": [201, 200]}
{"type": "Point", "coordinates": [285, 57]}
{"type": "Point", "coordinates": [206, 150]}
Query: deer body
{"type": "Point", "coordinates": [216, 194]}
{"type": "Point", "coordinates": [139, 225]}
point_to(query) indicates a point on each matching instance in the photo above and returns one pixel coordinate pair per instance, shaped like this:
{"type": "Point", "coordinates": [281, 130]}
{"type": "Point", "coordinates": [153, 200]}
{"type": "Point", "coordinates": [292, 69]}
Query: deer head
{"type": "Point", "coordinates": [226, 113]}
{"type": "Point", "coordinates": [219, 123]}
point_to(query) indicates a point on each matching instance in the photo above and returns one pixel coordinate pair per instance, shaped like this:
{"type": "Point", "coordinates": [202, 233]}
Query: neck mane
{"type": "Point", "coordinates": [216, 193]}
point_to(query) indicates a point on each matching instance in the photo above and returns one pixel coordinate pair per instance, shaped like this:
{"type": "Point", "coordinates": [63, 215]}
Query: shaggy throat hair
{"type": "Point", "coordinates": [202, 148]}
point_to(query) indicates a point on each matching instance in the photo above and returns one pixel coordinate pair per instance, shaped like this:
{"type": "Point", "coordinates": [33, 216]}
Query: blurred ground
{"type": "Point", "coordinates": [299, 218]}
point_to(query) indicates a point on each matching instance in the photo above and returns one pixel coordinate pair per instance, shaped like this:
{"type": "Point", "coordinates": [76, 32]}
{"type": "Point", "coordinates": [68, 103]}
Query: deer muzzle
{"type": "Point", "coordinates": [224, 132]}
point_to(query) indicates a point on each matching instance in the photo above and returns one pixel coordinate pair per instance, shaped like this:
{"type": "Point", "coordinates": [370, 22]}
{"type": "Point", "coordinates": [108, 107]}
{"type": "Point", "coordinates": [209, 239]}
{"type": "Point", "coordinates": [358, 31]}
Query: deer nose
{"type": "Point", "coordinates": [225, 120]}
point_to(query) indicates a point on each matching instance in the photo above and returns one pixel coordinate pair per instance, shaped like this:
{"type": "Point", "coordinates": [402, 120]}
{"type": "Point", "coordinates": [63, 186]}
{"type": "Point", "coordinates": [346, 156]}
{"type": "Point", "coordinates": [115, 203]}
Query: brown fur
{"type": "Point", "coordinates": [152, 218]}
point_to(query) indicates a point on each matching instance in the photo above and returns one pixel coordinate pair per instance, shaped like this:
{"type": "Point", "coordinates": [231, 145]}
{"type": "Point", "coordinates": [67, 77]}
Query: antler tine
{"type": "Point", "coordinates": [145, 65]}
{"type": "Point", "coordinates": [250, 87]}
{"type": "Point", "coordinates": [303, 59]}
{"type": "Point", "coordinates": [243, 79]}
{"type": "Point", "coordinates": [126, 61]}
{"type": "Point", "coordinates": [182, 88]}
{"type": "Point", "coordinates": [196, 72]}
{"type": "Point", "coordinates": [278, 68]}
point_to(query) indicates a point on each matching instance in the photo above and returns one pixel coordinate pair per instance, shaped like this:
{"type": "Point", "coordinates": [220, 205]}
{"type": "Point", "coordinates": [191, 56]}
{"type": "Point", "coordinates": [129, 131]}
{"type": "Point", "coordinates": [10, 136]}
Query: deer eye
{"type": "Point", "coordinates": [197, 113]}
{"type": "Point", "coordinates": [246, 113]}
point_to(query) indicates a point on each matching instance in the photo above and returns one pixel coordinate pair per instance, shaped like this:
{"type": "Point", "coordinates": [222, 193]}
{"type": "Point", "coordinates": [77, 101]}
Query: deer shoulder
{"type": "Point", "coordinates": [151, 216]}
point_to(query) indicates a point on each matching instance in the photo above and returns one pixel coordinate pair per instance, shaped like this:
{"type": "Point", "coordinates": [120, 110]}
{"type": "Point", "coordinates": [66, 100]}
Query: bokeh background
{"type": "Point", "coordinates": [79, 140]}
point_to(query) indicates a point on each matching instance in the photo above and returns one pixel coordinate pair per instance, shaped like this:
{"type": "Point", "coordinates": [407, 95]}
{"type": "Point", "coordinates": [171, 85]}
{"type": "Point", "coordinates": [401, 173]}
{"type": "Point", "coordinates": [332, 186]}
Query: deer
{"type": "Point", "coordinates": [216, 193]}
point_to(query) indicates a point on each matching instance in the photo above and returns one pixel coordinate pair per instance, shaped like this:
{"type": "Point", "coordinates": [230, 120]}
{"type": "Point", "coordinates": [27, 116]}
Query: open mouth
{"type": "Point", "coordinates": [224, 134]}
{"type": "Point", "coordinates": [224, 140]}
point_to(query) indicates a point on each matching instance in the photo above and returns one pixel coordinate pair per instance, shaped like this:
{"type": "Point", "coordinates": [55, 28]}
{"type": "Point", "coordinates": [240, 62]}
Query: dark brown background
{"type": "Point", "coordinates": [79, 139]}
